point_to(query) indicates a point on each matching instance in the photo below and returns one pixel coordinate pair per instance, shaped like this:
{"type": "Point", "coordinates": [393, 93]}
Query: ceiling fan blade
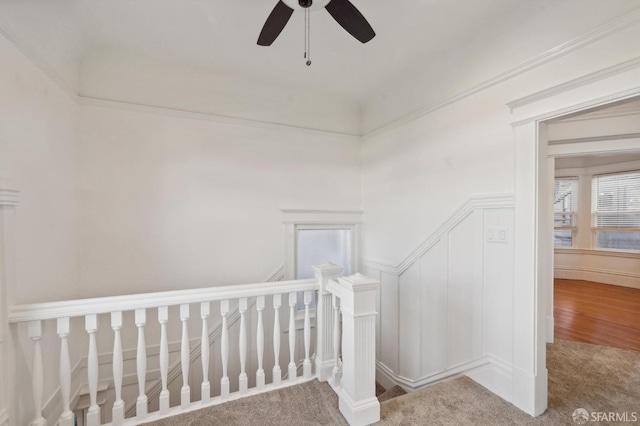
{"type": "Point", "coordinates": [351, 19]}
{"type": "Point", "coordinates": [275, 24]}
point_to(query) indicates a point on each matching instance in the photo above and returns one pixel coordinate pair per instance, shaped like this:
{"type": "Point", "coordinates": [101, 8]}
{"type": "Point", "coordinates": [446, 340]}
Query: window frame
{"type": "Point", "coordinates": [574, 210]}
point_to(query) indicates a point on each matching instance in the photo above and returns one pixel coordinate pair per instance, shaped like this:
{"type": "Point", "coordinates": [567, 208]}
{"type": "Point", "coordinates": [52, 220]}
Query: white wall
{"type": "Point", "coordinates": [170, 202]}
{"type": "Point", "coordinates": [38, 139]}
{"type": "Point", "coordinates": [415, 175]}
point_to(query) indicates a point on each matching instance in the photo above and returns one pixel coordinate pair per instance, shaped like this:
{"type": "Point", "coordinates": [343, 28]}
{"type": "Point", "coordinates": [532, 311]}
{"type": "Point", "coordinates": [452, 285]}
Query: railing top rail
{"type": "Point", "coordinates": [102, 305]}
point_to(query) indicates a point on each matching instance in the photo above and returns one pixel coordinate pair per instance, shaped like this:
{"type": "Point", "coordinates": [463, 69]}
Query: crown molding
{"type": "Point", "coordinates": [203, 116]}
{"type": "Point", "coordinates": [478, 202]}
{"type": "Point", "coordinates": [577, 82]}
{"type": "Point", "coordinates": [563, 49]}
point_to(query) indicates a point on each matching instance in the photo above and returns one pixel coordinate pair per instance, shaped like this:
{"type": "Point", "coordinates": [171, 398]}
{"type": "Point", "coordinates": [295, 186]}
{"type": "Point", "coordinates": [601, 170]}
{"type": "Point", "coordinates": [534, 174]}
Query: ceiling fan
{"type": "Point", "coordinates": [342, 11]}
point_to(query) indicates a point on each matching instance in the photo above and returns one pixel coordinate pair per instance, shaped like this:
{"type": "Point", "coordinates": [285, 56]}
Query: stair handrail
{"type": "Point", "coordinates": [131, 302]}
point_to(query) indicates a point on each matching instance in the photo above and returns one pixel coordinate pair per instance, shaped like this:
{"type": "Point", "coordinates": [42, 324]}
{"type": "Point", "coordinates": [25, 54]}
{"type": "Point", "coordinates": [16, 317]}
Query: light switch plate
{"type": "Point", "coordinates": [497, 235]}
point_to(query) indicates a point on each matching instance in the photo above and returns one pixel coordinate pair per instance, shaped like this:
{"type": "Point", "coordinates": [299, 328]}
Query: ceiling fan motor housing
{"type": "Point", "coordinates": [305, 3]}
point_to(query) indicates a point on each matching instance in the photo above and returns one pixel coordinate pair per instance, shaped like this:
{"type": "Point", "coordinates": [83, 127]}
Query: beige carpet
{"type": "Point", "coordinates": [585, 376]}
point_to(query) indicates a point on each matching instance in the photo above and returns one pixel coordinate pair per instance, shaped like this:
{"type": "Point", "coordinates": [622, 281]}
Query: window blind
{"type": "Point", "coordinates": [616, 201]}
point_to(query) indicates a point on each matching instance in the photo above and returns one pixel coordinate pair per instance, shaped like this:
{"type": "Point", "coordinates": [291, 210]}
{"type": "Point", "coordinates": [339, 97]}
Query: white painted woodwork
{"type": "Point", "coordinates": [306, 366]}
{"type": "Point", "coordinates": [205, 311]}
{"type": "Point", "coordinates": [337, 338]}
{"type": "Point", "coordinates": [325, 272]}
{"type": "Point", "coordinates": [224, 350]}
{"type": "Point", "coordinates": [389, 320]}
{"type": "Point", "coordinates": [72, 308]}
{"type": "Point", "coordinates": [260, 376]}
{"type": "Point", "coordinates": [163, 318]}
{"type": "Point", "coordinates": [117, 412]}
{"type": "Point", "coordinates": [358, 402]}
{"type": "Point", "coordinates": [185, 391]}
{"type": "Point", "coordinates": [141, 364]}
{"type": "Point", "coordinates": [293, 370]}
{"type": "Point", "coordinates": [277, 372]}
{"type": "Point", "coordinates": [91, 326]}
{"type": "Point", "coordinates": [63, 329]}
{"type": "Point", "coordinates": [35, 334]}
{"type": "Point", "coordinates": [242, 378]}
{"type": "Point", "coordinates": [409, 331]}
{"type": "Point", "coordinates": [434, 336]}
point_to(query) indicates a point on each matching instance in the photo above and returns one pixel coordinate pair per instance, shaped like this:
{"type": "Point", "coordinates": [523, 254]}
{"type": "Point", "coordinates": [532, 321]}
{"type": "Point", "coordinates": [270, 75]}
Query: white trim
{"type": "Point", "coordinates": [598, 252]}
{"type": "Point", "coordinates": [101, 305]}
{"type": "Point", "coordinates": [582, 106]}
{"type": "Point", "coordinates": [478, 202]}
{"type": "Point", "coordinates": [632, 275]}
{"type": "Point", "coordinates": [577, 82]}
{"type": "Point", "coordinates": [610, 27]}
{"type": "Point", "coordinates": [388, 376]}
{"type": "Point", "coordinates": [611, 146]}
{"type": "Point", "coordinates": [619, 111]}
{"type": "Point", "coordinates": [203, 116]}
{"type": "Point", "coordinates": [320, 217]}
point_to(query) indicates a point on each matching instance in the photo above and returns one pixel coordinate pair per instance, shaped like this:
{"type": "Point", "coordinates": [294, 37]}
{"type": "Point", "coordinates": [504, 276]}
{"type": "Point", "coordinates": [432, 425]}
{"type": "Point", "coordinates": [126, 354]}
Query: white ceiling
{"type": "Point", "coordinates": [219, 37]}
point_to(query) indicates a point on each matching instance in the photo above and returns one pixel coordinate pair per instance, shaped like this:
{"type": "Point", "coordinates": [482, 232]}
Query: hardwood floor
{"type": "Point", "coordinates": [597, 313]}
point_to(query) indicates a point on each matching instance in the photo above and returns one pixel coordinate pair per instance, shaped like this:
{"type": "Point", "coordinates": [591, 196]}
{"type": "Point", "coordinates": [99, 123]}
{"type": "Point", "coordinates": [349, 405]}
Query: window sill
{"type": "Point", "coordinates": [630, 254]}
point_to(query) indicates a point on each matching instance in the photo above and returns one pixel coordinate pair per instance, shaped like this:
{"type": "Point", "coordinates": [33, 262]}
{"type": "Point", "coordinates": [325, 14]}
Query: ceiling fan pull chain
{"type": "Point", "coordinates": [308, 39]}
{"type": "Point", "coordinates": [305, 32]}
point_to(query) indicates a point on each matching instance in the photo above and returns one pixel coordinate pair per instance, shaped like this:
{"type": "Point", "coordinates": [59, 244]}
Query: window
{"type": "Point", "coordinates": [564, 207]}
{"type": "Point", "coordinates": [315, 245]}
{"type": "Point", "coordinates": [616, 211]}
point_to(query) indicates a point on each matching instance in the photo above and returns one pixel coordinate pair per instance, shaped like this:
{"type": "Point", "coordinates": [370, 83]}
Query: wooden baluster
{"type": "Point", "coordinates": [260, 303]}
{"type": "Point", "coordinates": [224, 350]}
{"type": "Point", "coordinates": [141, 363]}
{"type": "Point", "coordinates": [34, 330]}
{"type": "Point", "coordinates": [117, 411]}
{"type": "Point", "coordinates": [277, 373]}
{"type": "Point", "coordinates": [336, 341]}
{"type": "Point", "coordinates": [91, 326]}
{"type": "Point", "coordinates": [66, 418]}
{"type": "Point", "coordinates": [293, 300]}
{"type": "Point", "coordinates": [205, 311]}
{"type": "Point", "coordinates": [242, 379]}
{"type": "Point", "coordinates": [185, 392]}
{"type": "Point", "coordinates": [306, 366]}
{"type": "Point", "coordinates": [163, 318]}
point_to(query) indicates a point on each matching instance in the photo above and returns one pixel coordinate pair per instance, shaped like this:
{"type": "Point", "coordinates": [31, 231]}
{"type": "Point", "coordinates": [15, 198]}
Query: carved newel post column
{"type": "Point", "coordinates": [324, 319]}
{"type": "Point", "coordinates": [358, 402]}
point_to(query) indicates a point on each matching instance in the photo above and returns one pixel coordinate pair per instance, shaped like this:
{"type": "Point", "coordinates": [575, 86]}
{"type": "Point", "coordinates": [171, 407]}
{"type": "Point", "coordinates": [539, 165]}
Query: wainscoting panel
{"type": "Point", "coordinates": [389, 320]}
{"type": "Point", "coordinates": [451, 300]}
{"type": "Point", "coordinates": [434, 294]}
{"type": "Point", "coordinates": [410, 308]}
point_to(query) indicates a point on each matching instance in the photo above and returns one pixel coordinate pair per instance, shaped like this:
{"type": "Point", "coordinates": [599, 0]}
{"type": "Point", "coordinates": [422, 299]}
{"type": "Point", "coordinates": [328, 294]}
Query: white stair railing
{"type": "Point", "coordinates": [353, 382]}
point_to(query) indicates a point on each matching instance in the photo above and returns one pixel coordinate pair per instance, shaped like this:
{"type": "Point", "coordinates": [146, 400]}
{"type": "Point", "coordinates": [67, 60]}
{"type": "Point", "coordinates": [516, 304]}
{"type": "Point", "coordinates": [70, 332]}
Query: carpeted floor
{"type": "Point", "coordinates": [592, 377]}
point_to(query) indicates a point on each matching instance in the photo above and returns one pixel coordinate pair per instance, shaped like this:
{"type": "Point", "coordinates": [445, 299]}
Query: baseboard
{"type": "Point", "coordinates": [604, 276]}
{"type": "Point", "coordinates": [496, 376]}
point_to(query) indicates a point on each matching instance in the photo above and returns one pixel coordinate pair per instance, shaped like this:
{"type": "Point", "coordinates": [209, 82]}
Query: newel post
{"type": "Point", "coordinates": [8, 204]}
{"type": "Point", "coordinates": [358, 402]}
{"type": "Point", "coordinates": [325, 272]}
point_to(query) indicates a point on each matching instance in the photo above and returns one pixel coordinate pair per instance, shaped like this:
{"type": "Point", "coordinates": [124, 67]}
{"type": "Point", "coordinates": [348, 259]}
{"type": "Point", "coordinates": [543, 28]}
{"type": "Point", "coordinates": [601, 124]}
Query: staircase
{"type": "Point", "coordinates": [344, 350]}
{"type": "Point", "coordinates": [385, 395]}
